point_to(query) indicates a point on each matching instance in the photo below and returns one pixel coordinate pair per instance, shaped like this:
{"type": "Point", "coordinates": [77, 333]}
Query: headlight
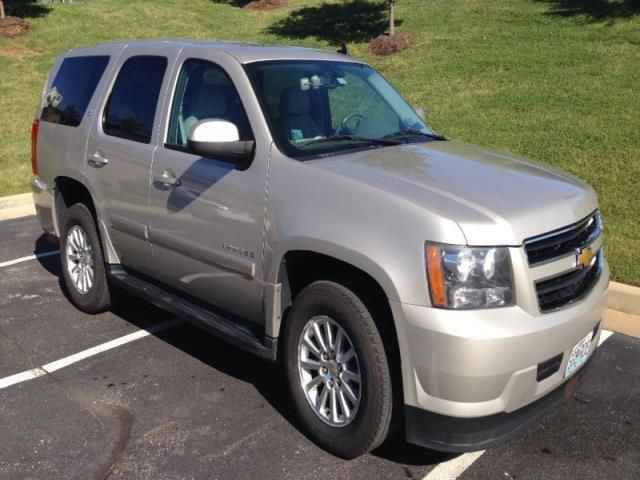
{"type": "Point", "coordinates": [466, 277]}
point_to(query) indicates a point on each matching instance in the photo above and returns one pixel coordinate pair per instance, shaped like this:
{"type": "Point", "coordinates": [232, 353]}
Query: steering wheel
{"type": "Point", "coordinates": [343, 124]}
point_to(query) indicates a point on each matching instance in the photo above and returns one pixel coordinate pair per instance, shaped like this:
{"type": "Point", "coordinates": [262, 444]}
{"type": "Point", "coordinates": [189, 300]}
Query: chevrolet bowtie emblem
{"type": "Point", "coordinates": [584, 257]}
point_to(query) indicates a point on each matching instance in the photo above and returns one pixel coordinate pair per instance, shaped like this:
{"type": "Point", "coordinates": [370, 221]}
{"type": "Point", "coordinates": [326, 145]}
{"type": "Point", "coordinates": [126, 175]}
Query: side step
{"type": "Point", "coordinates": [224, 328]}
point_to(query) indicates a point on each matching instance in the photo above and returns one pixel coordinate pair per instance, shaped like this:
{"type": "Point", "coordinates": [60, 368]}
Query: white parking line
{"type": "Point", "coordinates": [604, 336]}
{"type": "Point", "coordinates": [21, 377]}
{"type": "Point", "coordinates": [452, 469]}
{"type": "Point", "coordinates": [30, 257]}
{"type": "Point", "coordinates": [76, 357]}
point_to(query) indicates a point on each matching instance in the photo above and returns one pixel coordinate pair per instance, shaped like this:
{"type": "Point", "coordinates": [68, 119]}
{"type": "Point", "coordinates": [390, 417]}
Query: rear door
{"type": "Point", "coordinates": [121, 146]}
{"type": "Point", "coordinates": [67, 108]}
{"type": "Point", "coordinates": [207, 227]}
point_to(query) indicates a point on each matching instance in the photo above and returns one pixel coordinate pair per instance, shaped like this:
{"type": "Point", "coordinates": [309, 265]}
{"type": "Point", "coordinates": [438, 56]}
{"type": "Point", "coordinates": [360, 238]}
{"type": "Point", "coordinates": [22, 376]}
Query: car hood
{"type": "Point", "coordinates": [495, 198]}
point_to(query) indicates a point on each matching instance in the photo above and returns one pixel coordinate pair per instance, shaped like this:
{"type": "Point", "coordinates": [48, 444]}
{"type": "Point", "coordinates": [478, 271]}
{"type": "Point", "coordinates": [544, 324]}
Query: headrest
{"type": "Point", "coordinates": [208, 101]}
{"type": "Point", "coordinates": [294, 102]}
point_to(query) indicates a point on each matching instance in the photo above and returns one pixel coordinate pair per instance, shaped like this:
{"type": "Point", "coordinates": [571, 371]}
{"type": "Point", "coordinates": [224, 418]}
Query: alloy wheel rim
{"type": "Point", "coordinates": [80, 260]}
{"type": "Point", "coordinates": [329, 371]}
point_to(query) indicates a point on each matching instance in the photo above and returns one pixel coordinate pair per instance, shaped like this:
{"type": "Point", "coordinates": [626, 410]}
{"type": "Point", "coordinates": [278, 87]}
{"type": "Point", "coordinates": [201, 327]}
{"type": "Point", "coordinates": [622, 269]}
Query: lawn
{"type": "Point", "coordinates": [543, 78]}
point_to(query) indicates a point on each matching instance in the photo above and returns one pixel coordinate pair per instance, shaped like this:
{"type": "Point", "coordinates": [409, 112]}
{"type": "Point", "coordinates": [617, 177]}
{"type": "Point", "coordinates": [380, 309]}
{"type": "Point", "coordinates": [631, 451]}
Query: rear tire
{"type": "Point", "coordinates": [82, 261]}
{"type": "Point", "coordinates": [326, 322]}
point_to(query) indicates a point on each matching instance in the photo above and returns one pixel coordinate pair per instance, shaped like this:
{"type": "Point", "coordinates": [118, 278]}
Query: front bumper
{"type": "Point", "coordinates": [482, 366]}
{"type": "Point", "coordinates": [453, 434]}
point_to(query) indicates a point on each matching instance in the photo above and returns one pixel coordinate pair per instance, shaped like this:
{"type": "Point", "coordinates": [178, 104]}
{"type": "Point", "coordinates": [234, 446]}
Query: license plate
{"type": "Point", "coordinates": [579, 355]}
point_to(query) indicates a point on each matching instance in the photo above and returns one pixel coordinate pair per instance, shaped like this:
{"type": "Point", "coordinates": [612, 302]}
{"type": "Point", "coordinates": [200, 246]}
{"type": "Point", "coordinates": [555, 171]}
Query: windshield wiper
{"type": "Point", "coordinates": [352, 138]}
{"type": "Point", "coordinates": [410, 132]}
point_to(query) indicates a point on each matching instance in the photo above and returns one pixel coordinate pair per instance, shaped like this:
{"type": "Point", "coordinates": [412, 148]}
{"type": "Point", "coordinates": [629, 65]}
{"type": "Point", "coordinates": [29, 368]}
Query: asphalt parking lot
{"type": "Point", "coordinates": [179, 404]}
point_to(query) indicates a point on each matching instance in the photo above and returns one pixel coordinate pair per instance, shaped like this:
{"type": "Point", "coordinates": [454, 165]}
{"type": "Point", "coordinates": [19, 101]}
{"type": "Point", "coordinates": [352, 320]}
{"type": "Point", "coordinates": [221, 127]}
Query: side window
{"type": "Point", "coordinates": [131, 108]}
{"type": "Point", "coordinates": [204, 90]}
{"type": "Point", "coordinates": [66, 102]}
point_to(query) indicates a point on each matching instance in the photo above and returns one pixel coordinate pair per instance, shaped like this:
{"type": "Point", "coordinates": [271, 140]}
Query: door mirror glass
{"type": "Point", "coordinates": [214, 131]}
{"type": "Point", "coordinates": [220, 140]}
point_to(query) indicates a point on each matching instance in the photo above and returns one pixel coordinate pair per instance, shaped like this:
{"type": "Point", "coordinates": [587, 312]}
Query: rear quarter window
{"type": "Point", "coordinates": [67, 99]}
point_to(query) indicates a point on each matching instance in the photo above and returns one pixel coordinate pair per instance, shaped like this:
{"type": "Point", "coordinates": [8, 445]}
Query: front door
{"type": "Point", "coordinates": [120, 150]}
{"type": "Point", "coordinates": [207, 216]}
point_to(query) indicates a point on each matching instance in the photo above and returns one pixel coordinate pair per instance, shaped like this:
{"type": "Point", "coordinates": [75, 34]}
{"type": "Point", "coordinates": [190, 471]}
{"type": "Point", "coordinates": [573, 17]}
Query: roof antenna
{"type": "Point", "coordinates": [343, 49]}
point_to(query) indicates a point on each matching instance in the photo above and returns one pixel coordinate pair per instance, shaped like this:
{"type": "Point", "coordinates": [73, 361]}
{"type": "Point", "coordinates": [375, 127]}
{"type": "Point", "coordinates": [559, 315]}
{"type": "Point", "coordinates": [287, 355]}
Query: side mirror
{"type": "Point", "coordinates": [420, 112]}
{"type": "Point", "coordinates": [220, 140]}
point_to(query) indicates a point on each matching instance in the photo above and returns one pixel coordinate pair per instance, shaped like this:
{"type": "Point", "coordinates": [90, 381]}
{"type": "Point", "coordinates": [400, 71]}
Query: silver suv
{"type": "Point", "coordinates": [291, 202]}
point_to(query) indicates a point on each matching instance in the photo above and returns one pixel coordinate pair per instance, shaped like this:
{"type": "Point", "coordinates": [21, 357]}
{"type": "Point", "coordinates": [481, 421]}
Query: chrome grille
{"type": "Point", "coordinates": [566, 289]}
{"type": "Point", "coordinates": [562, 242]}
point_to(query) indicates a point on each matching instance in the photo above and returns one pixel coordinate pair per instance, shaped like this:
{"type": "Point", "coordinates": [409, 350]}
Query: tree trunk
{"type": "Point", "coordinates": [392, 18]}
{"type": "Point", "coordinates": [1, 9]}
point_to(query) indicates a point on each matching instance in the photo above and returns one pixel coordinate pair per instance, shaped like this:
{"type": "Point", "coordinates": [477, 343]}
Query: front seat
{"type": "Point", "coordinates": [295, 121]}
{"type": "Point", "coordinates": [208, 101]}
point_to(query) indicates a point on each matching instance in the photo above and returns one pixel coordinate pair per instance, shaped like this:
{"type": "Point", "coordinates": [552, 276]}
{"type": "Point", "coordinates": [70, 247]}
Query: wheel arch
{"type": "Point", "coordinates": [298, 268]}
{"type": "Point", "coordinates": [69, 190]}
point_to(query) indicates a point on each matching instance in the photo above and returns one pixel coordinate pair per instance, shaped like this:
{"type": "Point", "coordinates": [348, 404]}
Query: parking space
{"type": "Point", "coordinates": [180, 404]}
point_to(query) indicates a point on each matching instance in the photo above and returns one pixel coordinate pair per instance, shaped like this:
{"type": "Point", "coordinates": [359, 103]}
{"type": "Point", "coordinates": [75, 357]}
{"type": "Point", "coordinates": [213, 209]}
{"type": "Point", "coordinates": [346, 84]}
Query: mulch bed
{"type": "Point", "coordinates": [386, 45]}
{"type": "Point", "coordinates": [12, 27]}
{"type": "Point", "coordinates": [265, 4]}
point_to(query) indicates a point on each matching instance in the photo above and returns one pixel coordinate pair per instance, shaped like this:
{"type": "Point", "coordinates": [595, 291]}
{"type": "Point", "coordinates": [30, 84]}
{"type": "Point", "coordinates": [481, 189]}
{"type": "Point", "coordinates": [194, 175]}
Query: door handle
{"type": "Point", "coordinates": [97, 159]}
{"type": "Point", "coordinates": [167, 178]}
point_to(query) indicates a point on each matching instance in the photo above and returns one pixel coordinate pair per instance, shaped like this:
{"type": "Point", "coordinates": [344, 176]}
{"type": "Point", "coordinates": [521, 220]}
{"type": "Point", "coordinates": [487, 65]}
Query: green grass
{"type": "Point", "coordinates": [508, 74]}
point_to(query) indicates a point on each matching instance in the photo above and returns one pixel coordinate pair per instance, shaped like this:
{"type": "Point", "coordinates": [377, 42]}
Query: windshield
{"type": "Point", "coordinates": [322, 107]}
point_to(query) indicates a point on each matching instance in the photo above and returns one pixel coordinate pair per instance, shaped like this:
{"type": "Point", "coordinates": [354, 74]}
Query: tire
{"type": "Point", "coordinates": [358, 427]}
{"type": "Point", "coordinates": [79, 230]}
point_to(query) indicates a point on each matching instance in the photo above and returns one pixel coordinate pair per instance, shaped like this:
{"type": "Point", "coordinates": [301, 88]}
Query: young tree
{"type": "Point", "coordinates": [2, 9]}
{"type": "Point", "coordinates": [392, 17]}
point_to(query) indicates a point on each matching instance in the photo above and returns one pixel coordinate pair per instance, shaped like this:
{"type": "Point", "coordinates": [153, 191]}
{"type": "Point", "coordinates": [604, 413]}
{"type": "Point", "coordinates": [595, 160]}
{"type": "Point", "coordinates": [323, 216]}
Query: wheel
{"type": "Point", "coordinates": [337, 370]}
{"type": "Point", "coordinates": [82, 261]}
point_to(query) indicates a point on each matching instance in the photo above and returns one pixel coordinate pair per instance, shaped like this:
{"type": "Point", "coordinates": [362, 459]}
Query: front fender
{"type": "Point", "coordinates": [355, 258]}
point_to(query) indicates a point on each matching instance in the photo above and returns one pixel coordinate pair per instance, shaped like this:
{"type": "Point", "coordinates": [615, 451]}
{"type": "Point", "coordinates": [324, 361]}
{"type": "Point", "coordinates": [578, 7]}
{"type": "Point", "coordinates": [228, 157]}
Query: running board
{"type": "Point", "coordinates": [224, 328]}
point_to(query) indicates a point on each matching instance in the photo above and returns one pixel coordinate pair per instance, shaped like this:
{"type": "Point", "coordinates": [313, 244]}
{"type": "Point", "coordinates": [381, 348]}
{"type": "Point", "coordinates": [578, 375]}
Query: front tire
{"type": "Point", "coordinates": [82, 261]}
{"type": "Point", "coordinates": [337, 370]}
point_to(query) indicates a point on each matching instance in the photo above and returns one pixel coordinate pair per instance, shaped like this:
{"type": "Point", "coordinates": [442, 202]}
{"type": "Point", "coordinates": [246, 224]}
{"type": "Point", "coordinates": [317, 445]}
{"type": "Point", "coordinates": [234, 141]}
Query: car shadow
{"type": "Point", "coordinates": [46, 244]}
{"type": "Point", "coordinates": [267, 378]}
{"type": "Point", "coordinates": [51, 263]}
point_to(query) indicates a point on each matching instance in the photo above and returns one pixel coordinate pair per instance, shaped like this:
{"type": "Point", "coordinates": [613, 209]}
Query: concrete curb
{"type": "Point", "coordinates": [16, 206]}
{"type": "Point", "coordinates": [624, 298]}
{"type": "Point", "coordinates": [14, 201]}
{"type": "Point", "coordinates": [622, 322]}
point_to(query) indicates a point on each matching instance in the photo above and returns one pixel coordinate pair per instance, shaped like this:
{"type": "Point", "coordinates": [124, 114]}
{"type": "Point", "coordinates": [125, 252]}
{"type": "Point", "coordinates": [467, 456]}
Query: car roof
{"type": "Point", "coordinates": [243, 52]}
